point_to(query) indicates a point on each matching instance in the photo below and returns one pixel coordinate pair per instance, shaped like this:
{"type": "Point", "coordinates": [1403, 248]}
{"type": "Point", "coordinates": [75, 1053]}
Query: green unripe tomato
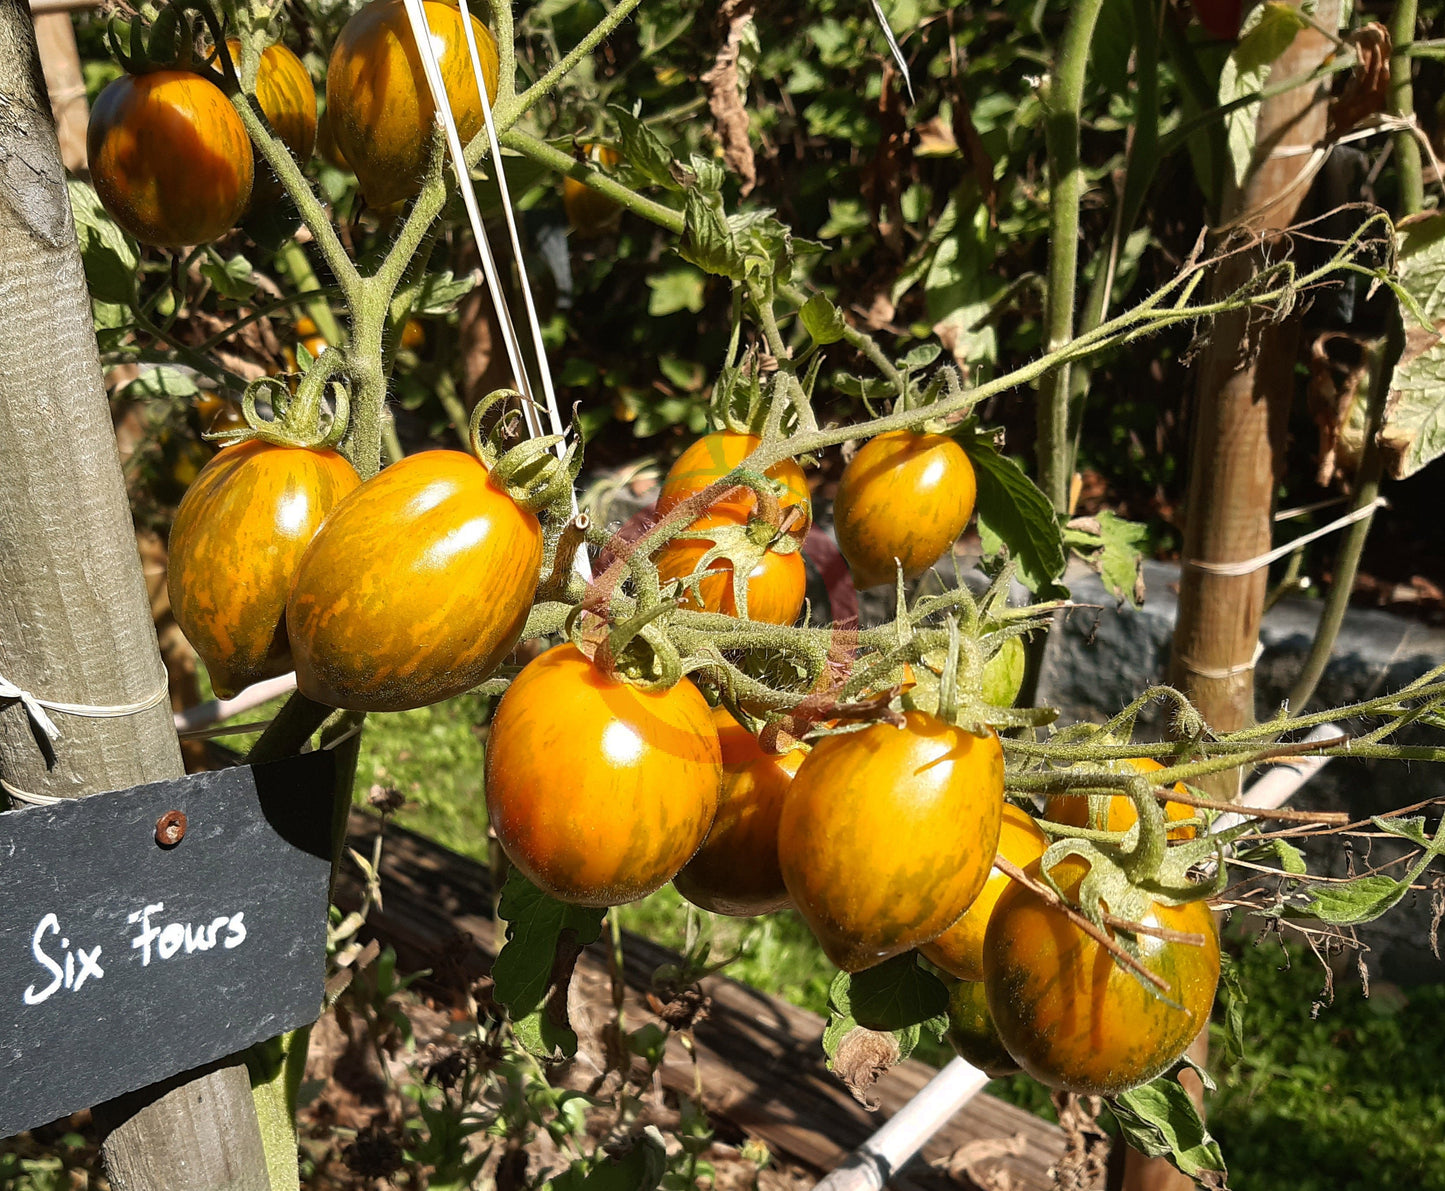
{"type": "Point", "coordinates": [1003, 674]}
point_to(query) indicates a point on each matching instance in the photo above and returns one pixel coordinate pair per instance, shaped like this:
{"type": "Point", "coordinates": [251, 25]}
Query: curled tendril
{"type": "Point", "coordinates": [296, 420]}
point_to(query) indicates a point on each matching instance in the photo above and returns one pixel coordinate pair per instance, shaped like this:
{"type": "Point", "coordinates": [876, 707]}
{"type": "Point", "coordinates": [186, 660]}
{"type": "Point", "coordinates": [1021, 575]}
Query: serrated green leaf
{"type": "Point", "coordinates": [1111, 545]}
{"type": "Point", "coordinates": [958, 285]}
{"type": "Point", "coordinates": [676, 289]}
{"type": "Point", "coordinates": [1266, 34]}
{"type": "Point", "coordinates": [523, 971]}
{"type": "Point", "coordinates": [707, 240]}
{"type": "Point", "coordinates": [896, 995]}
{"type": "Point", "coordinates": [644, 152]}
{"type": "Point", "coordinates": [1414, 430]}
{"type": "Point", "coordinates": [163, 382]}
{"type": "Point", "coordinates": [110, 257]}
{"type": "Point", "coordinates": [1160, 1119]}
{"type": "Point", "coordinates": [1016, 517]}
{"type": "Point", "coordinates": [822, 320]}
{"type": "Point", "coordinates": [233, 279]}
{"type": "Point", "coordinates": [440, 292]}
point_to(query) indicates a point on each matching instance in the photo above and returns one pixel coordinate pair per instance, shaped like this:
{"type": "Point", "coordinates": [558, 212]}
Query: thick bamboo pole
{"type": "Point", "coordinates": [75, 626]}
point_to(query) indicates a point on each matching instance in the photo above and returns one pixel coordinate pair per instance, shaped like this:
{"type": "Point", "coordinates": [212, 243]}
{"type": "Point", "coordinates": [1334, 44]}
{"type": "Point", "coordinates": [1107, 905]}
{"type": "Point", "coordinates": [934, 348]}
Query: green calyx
{"type": "Point", "coordinates": [531, 473]}
{"type": "Point", "coordinates": [637, 651]}
{"type": "Point", "coordinates": [301, 419]}
{"type": "Point", "coordinates": [170, 43]}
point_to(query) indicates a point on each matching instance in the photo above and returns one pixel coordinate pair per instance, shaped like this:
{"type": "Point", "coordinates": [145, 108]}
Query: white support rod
{"type": "Point", "coordinates": [871, 1165]}
{"type": "Point", "coordinates": [203, 715]}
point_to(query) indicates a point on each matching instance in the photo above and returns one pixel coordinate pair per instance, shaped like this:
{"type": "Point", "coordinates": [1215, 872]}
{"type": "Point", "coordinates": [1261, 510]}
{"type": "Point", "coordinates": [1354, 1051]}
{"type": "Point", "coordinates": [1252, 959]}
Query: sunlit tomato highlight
{"type": "Point", "coordinates": [888, 835]}
{"type": "Point", "coordinates": [169, 157]}
{"type": "Point", "coordinates": [599, 791]}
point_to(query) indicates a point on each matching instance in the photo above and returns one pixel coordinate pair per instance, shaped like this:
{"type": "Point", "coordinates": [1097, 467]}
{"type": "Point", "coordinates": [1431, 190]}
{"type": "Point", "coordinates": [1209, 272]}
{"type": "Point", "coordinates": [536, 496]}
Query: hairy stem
{"type": "Point", "coordinates": [1402, 103]}
{"type": "Point", "coordinates": [1063, 96]}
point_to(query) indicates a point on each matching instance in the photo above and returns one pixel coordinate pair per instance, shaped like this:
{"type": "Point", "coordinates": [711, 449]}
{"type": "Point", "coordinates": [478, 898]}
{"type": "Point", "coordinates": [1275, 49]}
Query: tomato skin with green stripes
{"type": "Point", "coordinates": [169, 157]}
{"type": "Point", "coordinates": [971, 1031]}
{"type": "Point", "coordinates": [1074, 1018]}
{"type": "Point", "coordinates": [888, 835]}
{"type": "Point", "coordinates": [736, 872]}
{"type": "Point", "coordinates": [714, 455]}
{"type": "Point", "coordinates": [287, 96]}
{"type": "Point", "coordinates": [418, 584]}
{"type": "Point", "coordinates": [959, 950]}
{"type": "Point", "coordinates": [377, 100]}
{"type": "Point", "coordinates": [903, 496]}
{"type": "Point", "coordinates": [237, 540]}
{"type": "Point", "coordinates": [599, 791]}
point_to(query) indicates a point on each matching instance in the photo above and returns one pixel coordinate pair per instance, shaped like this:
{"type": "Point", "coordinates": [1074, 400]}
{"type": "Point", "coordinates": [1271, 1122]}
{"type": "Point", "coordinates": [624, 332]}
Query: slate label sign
{"type": "Point", "coordinates": [126, 958]}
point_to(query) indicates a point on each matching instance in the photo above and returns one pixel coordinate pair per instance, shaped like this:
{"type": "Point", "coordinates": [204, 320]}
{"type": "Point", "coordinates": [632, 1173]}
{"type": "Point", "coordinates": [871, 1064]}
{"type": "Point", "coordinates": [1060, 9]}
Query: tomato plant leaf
{"type": "Point", "coordinates": [1015, 517]}
{"type": "Point", "coordinates": [161, 382]}
{"type": "Point", "coordinates": [959, 286]}
{"type": "Point", "coordinates": [234, 278]}
{"type": "Point", "coordinates": [1112, 546]}
{"type": "Point", "coordinates": [1351, 903]}
{"type": "Point", "coordinates": [110, 257]}
{"type": "Point", "coordinates": [1160, 1119]}
{"type": "Point", "coordinates": [674, 290]}
{"type": "Point", "coordinates": [896, 994]}
{"type": "Point", "coordinates": [822, 320]}
{"type": "Point", "coordinates": [1414, 429]}
{"type": "Point", "coordinates": [707, 240]}
{"type": "Point", "coordinates": [1267, 33]}
{"type": "Point", "coordinates": [534, 967]}
{"type": "Point", "coordinates": [644, 151]}
{"type": "Point", "coordinates": [640, 1168]}
{"type": "Point", "coordinates": [438, 293]}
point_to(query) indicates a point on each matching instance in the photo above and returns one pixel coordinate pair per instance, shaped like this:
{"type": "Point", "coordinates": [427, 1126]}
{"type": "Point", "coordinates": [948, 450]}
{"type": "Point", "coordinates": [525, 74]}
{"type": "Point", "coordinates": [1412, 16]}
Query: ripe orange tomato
{"type": "Point", "coordinates": [888, 835]}
{"type": "Point", "coordinates": [415, 588]}
{"type": "Point", "coordinates": [413, 335]}
{"type": "Point", "coordinates": [972, 1033]}
{"type": "Point", "coordinates": [238, 538]}
{"type": "Point", "coordinates": [591, 214]}
{"type": "Point", "coordinates": [169, 157]}
{"type": "Point", "coordinates": [711, 458]}
{"type": "Point", "coordinates": [736, 870]}
{"type": "Point", "coordinates": [326, 142]}
{"type": "Point", "coordinates": [287, 97]}
{"type": "Point", "coordinates": [776, 586]}
{"type": "Point", "coordinates": [959, 950]}
{"type": "Point", "coordinates": [903, 496]}
{"type": "Point", "coordinates": [1073, 809]}
{"type": "Point", "coordinates": [1071, 1016]}
{"type": "Point", "coordinates": [599, 792]}
{"type": "Point", "coordinates": [377, 100]}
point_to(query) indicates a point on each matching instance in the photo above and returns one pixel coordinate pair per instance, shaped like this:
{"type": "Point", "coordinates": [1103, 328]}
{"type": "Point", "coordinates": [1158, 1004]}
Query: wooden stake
{"type": "Point", "coordinates": [75, 625]}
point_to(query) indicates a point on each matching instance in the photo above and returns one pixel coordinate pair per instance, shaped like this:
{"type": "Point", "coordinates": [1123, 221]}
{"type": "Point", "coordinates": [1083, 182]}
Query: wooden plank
{"type": "Point", "coordinates": [760, 1059]}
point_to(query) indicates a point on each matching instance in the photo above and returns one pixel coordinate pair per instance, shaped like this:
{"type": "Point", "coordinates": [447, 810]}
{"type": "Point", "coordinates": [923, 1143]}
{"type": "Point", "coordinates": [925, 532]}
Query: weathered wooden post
{"type": "Point", "coordinates": [74, 624]}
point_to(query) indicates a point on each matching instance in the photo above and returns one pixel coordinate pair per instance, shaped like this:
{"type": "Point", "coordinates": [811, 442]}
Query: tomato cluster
{"type": "Point", "coordinates": [173, 165]}
{"type": "Point", "coordinates": [732, 532]}
{"type": "Point", "coordinates": [399, 592]}
{"type": "Point", "coordinates": [1037, 992]}
{"type": "Point", "coordinates": [601, 788]}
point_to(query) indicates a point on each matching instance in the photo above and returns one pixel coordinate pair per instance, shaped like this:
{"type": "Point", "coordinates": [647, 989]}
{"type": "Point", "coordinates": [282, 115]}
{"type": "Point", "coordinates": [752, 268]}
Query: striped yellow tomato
{"type": "Point", "coordinates": [736, 870]}
{"type": "Point", "coordinates": [906, 497]}
{"type": "Point", "coordinates": [599, 791]}
{"type": "Point", "coordinates": [959, 950]}
{"type": "Point", "coordinates": [377, 101]}
{"type": "Point", "coordinates": [416, 587]}
{"type": "Point", "coordinates": [888, 834]}
{"type": "Point", "coordinates": [169, 157]}
{"type": "Point", "coordinates": [236, 543]}
{"type": "Point", "coordinates": [287, 97]}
